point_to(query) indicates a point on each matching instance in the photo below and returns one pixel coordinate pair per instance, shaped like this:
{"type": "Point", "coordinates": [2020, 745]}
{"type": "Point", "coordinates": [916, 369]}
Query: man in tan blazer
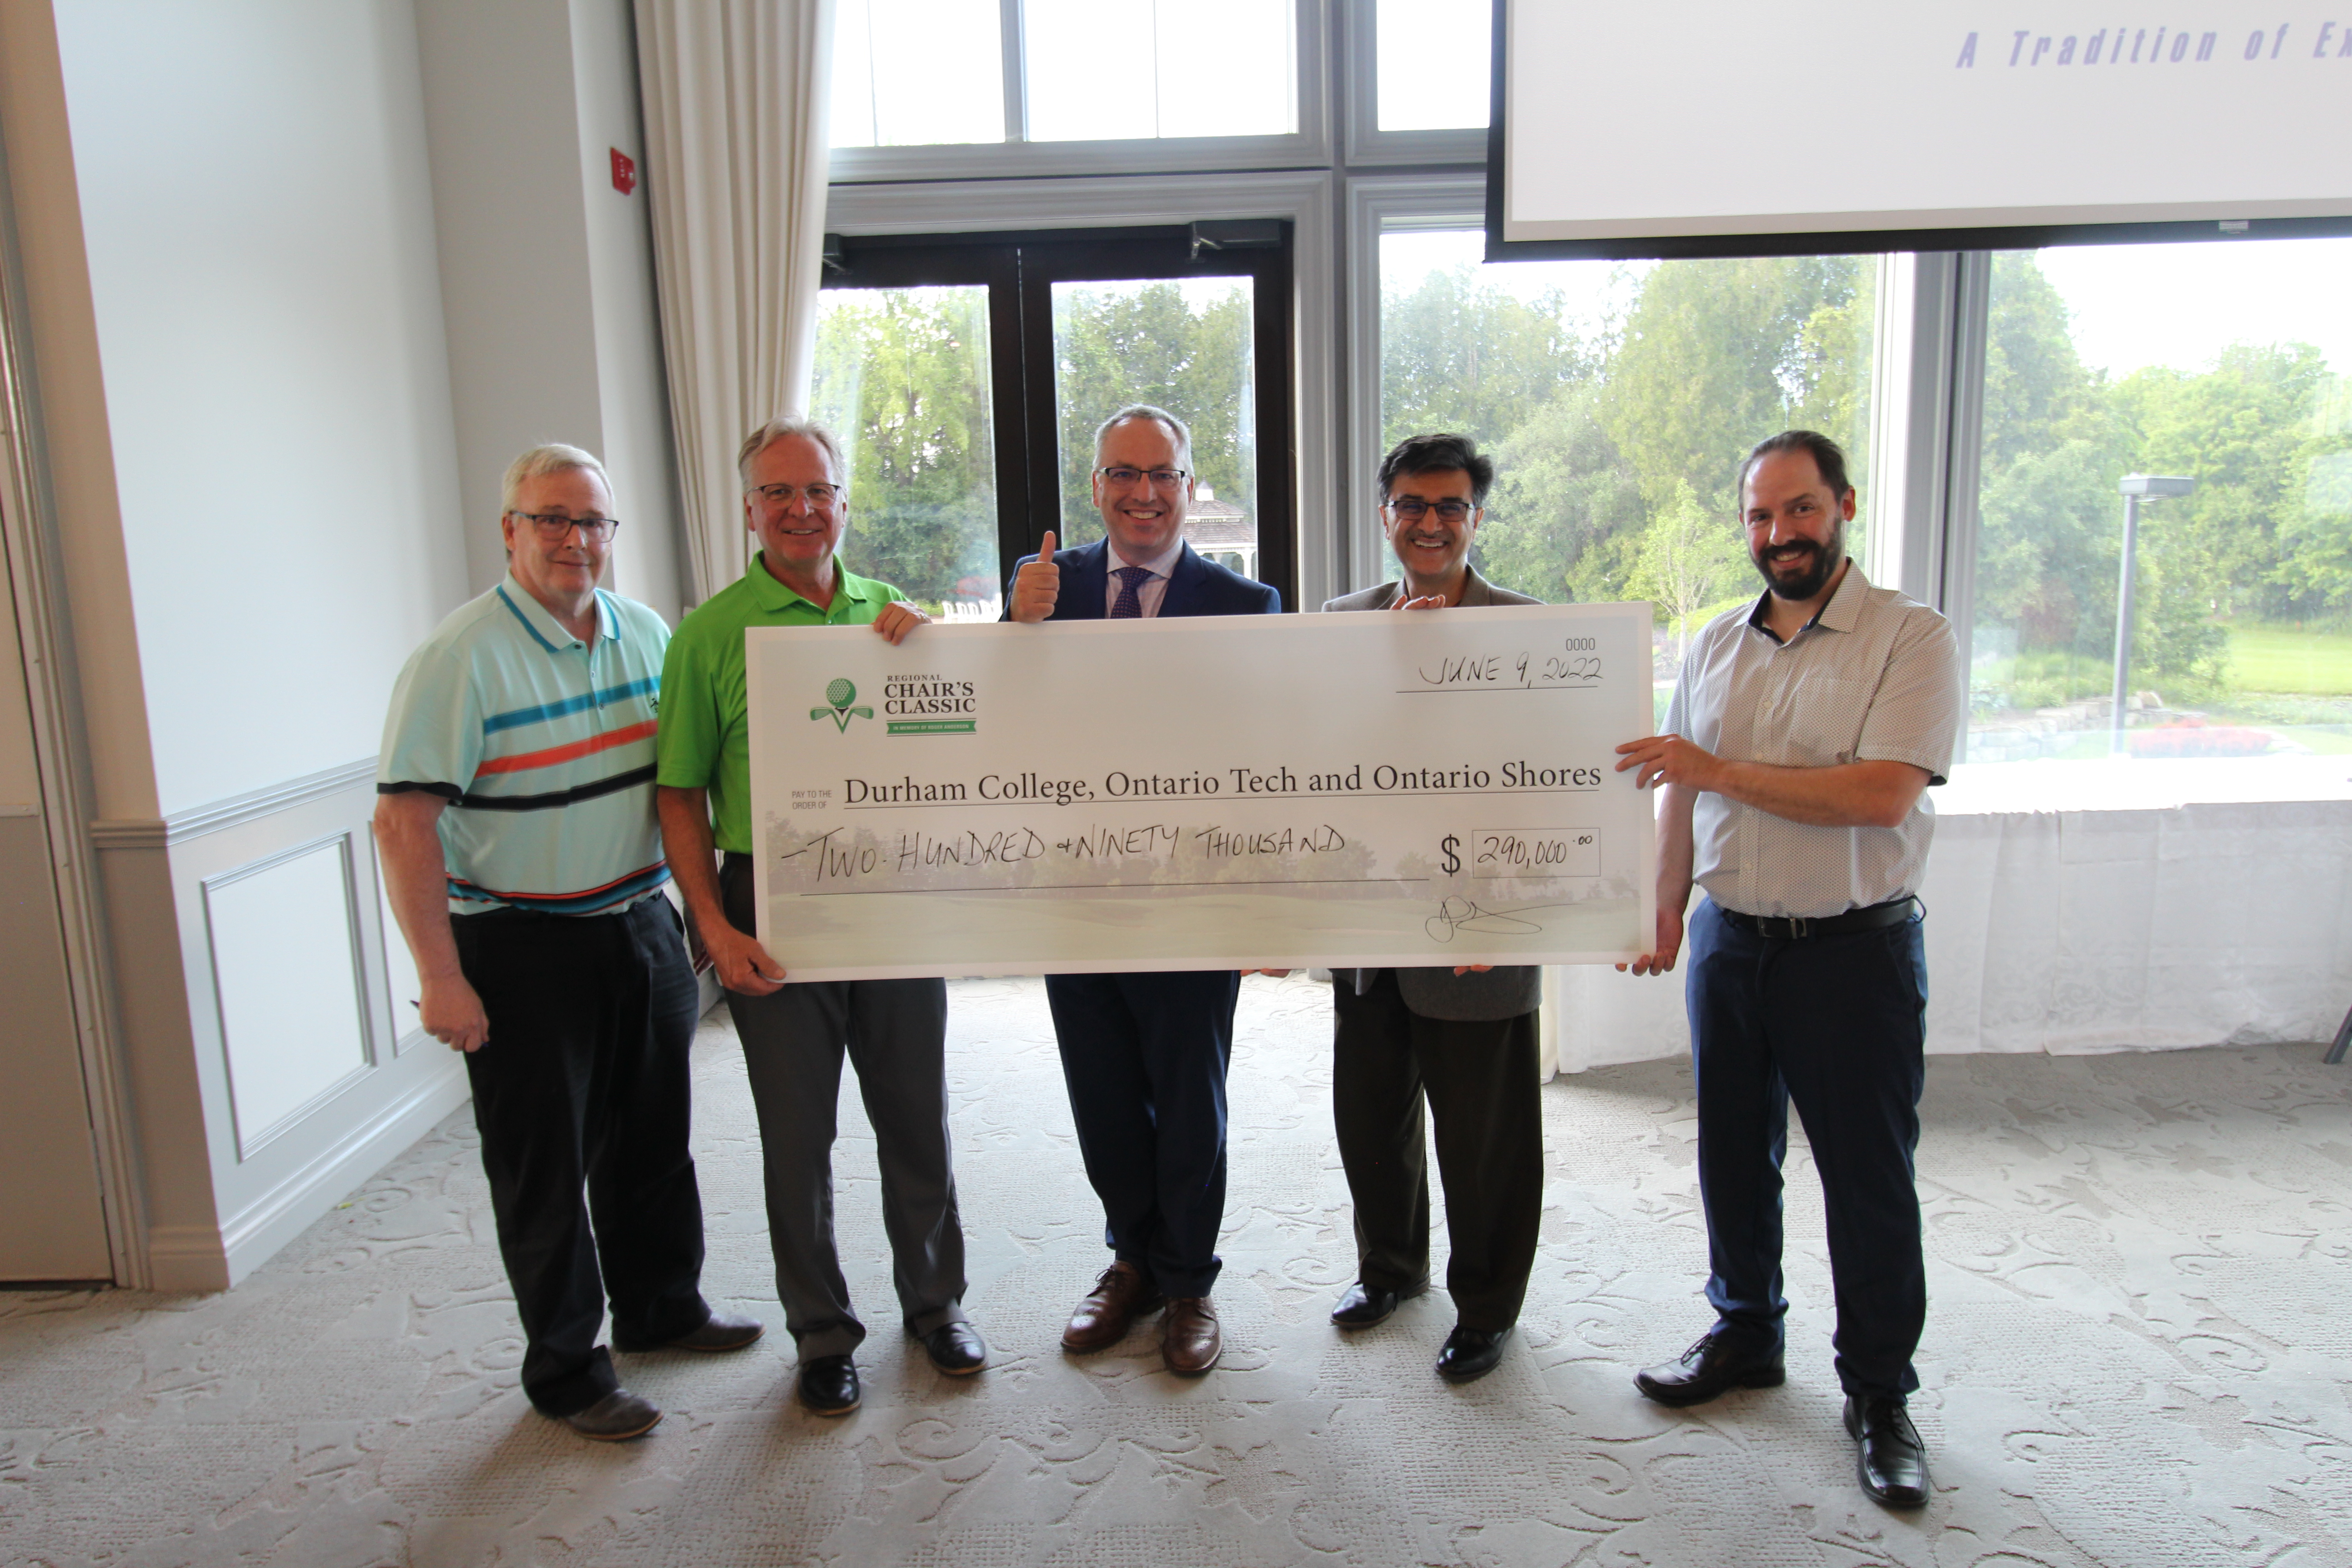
{"type": "Point", "coordinates": [1462, 1040]}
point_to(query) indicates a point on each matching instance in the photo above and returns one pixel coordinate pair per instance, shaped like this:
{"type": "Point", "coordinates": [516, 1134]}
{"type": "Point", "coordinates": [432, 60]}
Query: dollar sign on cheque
{"type": "Point", "coordinates": [1446, 847]}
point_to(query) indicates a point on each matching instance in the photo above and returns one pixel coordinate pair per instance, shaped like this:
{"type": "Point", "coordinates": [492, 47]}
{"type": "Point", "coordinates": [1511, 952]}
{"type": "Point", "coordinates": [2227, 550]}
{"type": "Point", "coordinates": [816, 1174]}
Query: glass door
{"type": "Point", "coordinates": [968, 374]}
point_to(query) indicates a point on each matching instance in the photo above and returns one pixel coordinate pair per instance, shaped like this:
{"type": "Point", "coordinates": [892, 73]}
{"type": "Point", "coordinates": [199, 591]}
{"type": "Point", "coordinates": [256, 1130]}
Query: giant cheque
{"type": "Point", "coordinates": [1414, 787]}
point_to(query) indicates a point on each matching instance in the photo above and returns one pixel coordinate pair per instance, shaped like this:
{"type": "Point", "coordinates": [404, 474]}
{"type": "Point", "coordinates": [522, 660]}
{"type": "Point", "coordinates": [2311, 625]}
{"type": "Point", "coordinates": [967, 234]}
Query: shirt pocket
{"type": "Point", "coordinates": [1824, 719]}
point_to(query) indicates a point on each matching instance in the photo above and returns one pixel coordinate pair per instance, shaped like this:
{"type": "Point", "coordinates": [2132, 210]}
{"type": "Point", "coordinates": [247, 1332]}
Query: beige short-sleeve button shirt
{"type": "Point", "coordinates": [1874, 677]}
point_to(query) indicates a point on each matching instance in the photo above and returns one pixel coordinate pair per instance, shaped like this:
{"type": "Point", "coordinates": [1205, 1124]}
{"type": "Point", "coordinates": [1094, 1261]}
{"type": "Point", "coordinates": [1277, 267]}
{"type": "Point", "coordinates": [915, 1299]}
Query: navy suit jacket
{"type": "Point", "coordinates": [1195, 587]}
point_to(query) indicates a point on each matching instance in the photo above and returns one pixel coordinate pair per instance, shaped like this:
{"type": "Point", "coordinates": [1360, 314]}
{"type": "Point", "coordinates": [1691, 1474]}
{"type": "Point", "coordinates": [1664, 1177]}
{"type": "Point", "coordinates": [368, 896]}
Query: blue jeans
{"type": "Point", "coordinates": [1839, 1025]}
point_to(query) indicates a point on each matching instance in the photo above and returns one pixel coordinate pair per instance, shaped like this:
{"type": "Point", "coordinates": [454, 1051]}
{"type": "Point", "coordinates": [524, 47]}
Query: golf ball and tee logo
{"type": "Point", "coordinates": [914, 705]}
{"type": "Point", "coordinates": [840, 696]}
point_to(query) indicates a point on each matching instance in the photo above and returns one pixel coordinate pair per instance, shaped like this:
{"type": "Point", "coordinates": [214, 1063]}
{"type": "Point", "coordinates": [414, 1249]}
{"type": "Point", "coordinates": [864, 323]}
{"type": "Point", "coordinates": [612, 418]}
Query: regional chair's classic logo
{"type": "Point", "coordinates": [839, 695]}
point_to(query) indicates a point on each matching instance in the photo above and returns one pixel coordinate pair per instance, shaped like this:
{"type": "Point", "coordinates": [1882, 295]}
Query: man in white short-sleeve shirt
{"type": "Point", "coordinates": [1803, 738]}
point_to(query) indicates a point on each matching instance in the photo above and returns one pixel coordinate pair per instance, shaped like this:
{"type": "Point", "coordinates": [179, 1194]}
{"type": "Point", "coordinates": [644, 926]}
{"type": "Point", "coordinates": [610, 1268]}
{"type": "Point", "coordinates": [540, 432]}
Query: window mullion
{"type": "Point", "coordinates": [1015, 71]}
{"type": "Point", "coordinates": [1963, 463]}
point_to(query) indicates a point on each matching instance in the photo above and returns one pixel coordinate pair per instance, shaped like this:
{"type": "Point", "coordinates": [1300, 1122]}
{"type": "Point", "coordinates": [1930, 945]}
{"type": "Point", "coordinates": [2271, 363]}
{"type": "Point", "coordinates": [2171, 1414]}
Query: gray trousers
{"type": "Point", "coordinates": [894, 1033]}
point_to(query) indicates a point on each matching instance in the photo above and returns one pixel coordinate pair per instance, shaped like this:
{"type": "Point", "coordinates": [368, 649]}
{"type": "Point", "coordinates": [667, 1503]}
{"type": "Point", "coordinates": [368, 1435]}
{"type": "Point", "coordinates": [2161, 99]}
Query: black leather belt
{"type": "Point", "coordinates": [1788, 928]}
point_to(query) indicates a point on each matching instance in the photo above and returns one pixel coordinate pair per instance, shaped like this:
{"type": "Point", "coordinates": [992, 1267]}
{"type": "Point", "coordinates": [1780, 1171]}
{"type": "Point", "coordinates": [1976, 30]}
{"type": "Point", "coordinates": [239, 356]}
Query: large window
{"type": "Point", "coordinates": [1435, 64]}
{"type": "Point", "coordinates": [1182, 344]}
{"type": "Point", "coordinates": [967, 376]}
{"type": "Point", "coordinates": [935, 72]}
{"type": "Point", "coordinates": [904, 376]}
{"type": "Point", "coordinates": [1617, 401]}
{"type": "Point", "coordinates": [2222, 366]}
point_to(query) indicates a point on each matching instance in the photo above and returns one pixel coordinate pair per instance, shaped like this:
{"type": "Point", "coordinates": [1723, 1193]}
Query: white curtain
{"type": "Point", "coordinates": [735, 99]}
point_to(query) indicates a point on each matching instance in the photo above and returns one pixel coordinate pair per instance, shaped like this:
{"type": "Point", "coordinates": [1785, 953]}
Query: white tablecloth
{"type": "Point", "coordinates": [2084, 907]}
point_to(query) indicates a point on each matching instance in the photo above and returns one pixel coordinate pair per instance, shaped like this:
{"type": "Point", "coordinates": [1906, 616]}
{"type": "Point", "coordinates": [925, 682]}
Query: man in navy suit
{"type": "Point", "coordinates": [1145, 1055]}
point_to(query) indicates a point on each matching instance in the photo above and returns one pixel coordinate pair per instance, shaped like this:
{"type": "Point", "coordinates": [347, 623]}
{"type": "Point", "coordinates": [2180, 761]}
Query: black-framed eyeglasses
{"type": "Point", "coordinates": [820, 498]}
{"type": "Point", "coordinates": [554, 527]}
{"type": "Point", "coordinates": [1161, 479]}
{"type": "Point", "coordinates": [1413, 509]}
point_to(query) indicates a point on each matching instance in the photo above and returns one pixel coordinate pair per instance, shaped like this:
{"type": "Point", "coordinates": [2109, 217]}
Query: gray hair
{"type": "Point", "coordinates": [1176, 428]}
{"type": "Point", "coordinates": [775, 430]}
{"type": "Point", "coordinates": [548, 457]}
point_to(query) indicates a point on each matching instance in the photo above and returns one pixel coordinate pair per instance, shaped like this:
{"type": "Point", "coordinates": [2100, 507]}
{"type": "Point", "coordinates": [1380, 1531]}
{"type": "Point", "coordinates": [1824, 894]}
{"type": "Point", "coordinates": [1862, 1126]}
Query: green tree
{"type": "Point", "coordinates": [1563, 506]}
{"type": "Point", "coordinates": [1457, 354]}
{"type": "Point", "coordinates": [902, 377]}
{"type": "Point", "coordinates": [1716, 355]}
{"type": "Point", "coordinates": [1113, 346]}
{"type": "Point", "coordinates": [2316, 537]}
{"type": "Point", "coordinates": [2038, 395]}
{"type": "Point", "coordinates": [1687, 558]}
{"type": "Point", "coordinates": [2244, 431]}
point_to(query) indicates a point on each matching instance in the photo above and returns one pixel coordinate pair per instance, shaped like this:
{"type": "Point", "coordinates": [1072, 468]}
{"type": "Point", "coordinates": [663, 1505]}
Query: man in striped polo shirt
{"type": "Point", "coordinates": [515, 824]}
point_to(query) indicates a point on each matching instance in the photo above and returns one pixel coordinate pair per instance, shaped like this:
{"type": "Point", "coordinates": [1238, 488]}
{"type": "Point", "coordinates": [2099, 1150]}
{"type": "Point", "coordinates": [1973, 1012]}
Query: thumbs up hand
{"type": "Point", "coordinates": [1038, 585]}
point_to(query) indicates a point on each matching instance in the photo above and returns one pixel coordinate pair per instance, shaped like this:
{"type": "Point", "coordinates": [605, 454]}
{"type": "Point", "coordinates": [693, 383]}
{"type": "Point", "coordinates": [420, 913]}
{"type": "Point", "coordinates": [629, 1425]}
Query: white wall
{"type": "Point", "coordinates": [632, 386]}
{"type": "Point", "coordinates": [260, 227]}
{"type": "Point", "coordinates": [547, 271]}
{"type": "Point", "coordinates": [276, 458]}
{"type": "Point", "coordinates": [514, 274]}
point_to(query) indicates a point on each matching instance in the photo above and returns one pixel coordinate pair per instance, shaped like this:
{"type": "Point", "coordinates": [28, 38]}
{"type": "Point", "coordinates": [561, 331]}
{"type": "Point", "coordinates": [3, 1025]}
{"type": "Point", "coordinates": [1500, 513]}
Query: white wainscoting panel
{"type": "Point", "coordinates": [287, 971]}
{"type": "Point", "coordinates": [399, 968]}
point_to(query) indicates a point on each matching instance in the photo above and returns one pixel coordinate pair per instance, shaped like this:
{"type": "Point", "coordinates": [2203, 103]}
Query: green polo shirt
{"type": "Point", "coordinates": [706, 737]}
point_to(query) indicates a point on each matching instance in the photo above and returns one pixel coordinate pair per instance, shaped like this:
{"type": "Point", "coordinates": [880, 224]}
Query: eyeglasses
{"type": "Point", "coordinates": [820, 498]}
{"type": "Point", "coordinates": [1163, 478]}
{"type": "Point", "coordinates": [1413, 509]}
{"type": "Point", "coordinates": [554, 527]}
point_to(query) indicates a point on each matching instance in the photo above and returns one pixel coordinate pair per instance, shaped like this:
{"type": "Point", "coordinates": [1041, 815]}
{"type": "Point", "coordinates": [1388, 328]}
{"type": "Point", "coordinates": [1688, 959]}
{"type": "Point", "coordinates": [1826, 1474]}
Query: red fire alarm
{"type": "Point", "coordinates": [624, 171]}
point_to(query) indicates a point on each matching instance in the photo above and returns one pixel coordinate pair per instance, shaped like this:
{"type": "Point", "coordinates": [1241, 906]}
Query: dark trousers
{"type": "Point", "coordinates": [584, 1084]}
{"type": "Point", "coordinates": [1145, 1057]}
{"type": "Point", "coordinates": [1839, 1025]}
{"type": "Point", "coordinates": [894, 1032]}
{"type": "Point", "coordinates": [1479, 1080]}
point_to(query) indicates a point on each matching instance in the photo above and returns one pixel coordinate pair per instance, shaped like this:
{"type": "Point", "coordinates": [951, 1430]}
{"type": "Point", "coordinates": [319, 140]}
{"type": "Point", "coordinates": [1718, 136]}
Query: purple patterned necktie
{"type": "Point", "coordinates": [1129, 605]}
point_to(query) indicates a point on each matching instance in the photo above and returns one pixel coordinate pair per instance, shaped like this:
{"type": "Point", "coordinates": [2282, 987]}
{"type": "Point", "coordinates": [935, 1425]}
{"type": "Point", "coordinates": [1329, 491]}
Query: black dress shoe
{"type": "Point", "coordinates": [615, 1418]}
{"type": "Point", "coordinates": [1888, 1456]}
{"type": "Point", "coordinates": [829, 1385]}
{"type": "Point", "coordinates": [1470, 1353]}
{"type": "Point", "coordinates": [1717, 1363]}
{"type": "Point", "coordinates": [956, 1349]}
{"type": "Point", "coordinates": [720, 1332]}
{"type": "Point", "coordinates": [1363, 1305]}
{"type": "Point", "coordinates": [723, 1332]}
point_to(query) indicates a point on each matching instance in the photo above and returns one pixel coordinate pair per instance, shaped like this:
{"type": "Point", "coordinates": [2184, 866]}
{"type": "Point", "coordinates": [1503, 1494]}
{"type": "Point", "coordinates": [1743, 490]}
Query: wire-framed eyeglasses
{"type": "Point", "coordinates": [1413, 509]}
{"type": "Point", "coordinates": [554, 527]}
{"type": "Point", "coordinates": [1161, 479]}
{"type": "Point", "coordinates": [821, 497]}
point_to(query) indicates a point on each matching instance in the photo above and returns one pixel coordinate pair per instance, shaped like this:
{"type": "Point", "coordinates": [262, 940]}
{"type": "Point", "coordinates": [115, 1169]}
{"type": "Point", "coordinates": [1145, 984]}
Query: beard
{"type": "Point", "coordinates": [1821, 564]}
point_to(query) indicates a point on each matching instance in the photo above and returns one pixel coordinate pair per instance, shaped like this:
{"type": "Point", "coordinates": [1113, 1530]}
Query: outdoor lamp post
{"type": "Point", "coordinates": [2133, 487]}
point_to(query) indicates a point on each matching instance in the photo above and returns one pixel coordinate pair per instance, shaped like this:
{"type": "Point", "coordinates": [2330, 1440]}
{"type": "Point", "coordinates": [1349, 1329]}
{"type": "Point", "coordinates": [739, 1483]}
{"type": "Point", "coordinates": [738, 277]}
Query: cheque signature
{"type": "Point", "coordinates": [1455, 915]}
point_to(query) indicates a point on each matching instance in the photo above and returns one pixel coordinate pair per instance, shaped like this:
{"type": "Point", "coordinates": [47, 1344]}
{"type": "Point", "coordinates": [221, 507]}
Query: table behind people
{"type": "Point", "coordinates": [1145, 1055]}
{"type": "Point", "coordinates": [795, 1036]}
{"type": "Point", "coordinates": [1453, 1044]}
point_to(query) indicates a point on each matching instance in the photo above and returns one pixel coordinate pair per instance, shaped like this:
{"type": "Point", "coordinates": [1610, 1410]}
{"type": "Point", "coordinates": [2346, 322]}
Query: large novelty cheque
{"type": "Point", "coordinates": [1413, 788]}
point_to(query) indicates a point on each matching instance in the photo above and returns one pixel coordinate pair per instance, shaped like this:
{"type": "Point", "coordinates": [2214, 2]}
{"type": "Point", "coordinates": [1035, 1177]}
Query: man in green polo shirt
{"type": "Point", "coordinates": [795, 1034]}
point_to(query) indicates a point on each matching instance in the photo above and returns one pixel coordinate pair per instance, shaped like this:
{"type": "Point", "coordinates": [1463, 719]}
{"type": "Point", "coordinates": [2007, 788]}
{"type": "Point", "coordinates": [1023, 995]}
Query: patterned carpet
{"type": "Point", "coordinates": [2137, 1357]}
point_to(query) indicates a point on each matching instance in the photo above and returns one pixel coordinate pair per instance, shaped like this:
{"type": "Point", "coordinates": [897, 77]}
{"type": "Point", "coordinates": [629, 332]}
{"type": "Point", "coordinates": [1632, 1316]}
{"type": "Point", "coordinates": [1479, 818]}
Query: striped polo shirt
{"type": "Point", "coordinates": [544, 746]}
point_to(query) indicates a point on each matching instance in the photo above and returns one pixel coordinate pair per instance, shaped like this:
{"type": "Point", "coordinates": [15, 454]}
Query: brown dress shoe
{"type": "Point", "coordinates": [1189, 1340]}
{"type": "Point", "coordinates": [1119, 1297]}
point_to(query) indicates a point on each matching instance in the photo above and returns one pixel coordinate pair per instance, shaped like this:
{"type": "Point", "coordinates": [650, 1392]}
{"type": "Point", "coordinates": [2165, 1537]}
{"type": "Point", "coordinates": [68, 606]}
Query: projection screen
{"type": "Point", "coordinates": [1724, 126]}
